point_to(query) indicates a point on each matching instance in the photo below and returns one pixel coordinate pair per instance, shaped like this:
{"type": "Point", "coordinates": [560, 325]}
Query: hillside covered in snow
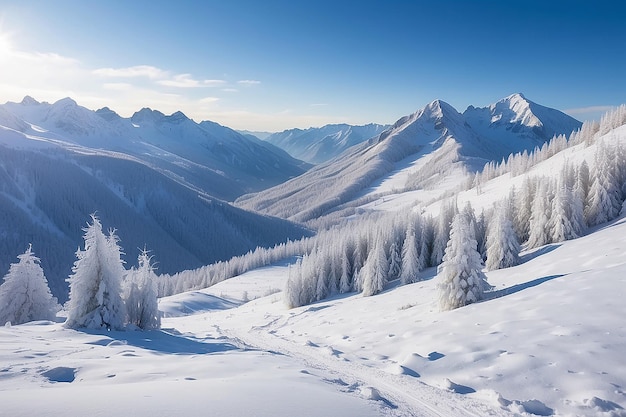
{"type": "Point", "coordinates": [433, 148]}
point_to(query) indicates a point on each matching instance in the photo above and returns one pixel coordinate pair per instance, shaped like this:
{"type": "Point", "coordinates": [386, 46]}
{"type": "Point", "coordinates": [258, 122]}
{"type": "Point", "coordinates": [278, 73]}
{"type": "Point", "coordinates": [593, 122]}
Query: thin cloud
{"type": "Point", "coordinates": [590, 109]}
{"type": "Point", "coordinates": [208, 100]}
{"type": "Point", "coordinates": [249, 82]}
{"type": "Point", "coordinates": [117, 86]}
{"type": "Point", "coordinates": [181, 81]}
{"type": "Point", "coordinates": [213, 83]}
{"type": "Point", "coordinates": [186, 81]}
{"type": "Point", "coordinates": [229, 90]}
{"type": "Point", "coordinates": [131, 72]}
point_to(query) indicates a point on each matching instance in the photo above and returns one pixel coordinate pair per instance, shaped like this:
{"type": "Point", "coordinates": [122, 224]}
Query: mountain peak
{"type": "Point", "coordinates": [147, 114]}
{"type": "Point", "coordinates": [107, 114]}
{"type": "Point", "coordinates": [515, 108]}
{"type": "Point", "coordinates": [28, 101]}
{"type": "Point", "coordinates": [66, 102]}
{"type": "Point", "coordinates": [177, 117]}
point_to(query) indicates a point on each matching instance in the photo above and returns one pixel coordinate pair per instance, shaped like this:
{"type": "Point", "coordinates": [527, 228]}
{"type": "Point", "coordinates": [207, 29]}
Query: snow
{"type": "Point", "coordinates": [551, 336]}
{"type": "Point", "coordinates": [548, 341]}
{"type": "Point", "coordinates": [50, 371]}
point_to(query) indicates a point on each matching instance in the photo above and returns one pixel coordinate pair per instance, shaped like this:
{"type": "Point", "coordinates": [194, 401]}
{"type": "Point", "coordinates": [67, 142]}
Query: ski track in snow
{"type": "Point", "coordinates": [402, 396]}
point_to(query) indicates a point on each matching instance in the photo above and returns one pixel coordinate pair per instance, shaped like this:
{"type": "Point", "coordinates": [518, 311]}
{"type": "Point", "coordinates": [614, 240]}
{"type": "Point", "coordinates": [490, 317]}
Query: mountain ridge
{"type": "Point", "coordinates": [429, 143]}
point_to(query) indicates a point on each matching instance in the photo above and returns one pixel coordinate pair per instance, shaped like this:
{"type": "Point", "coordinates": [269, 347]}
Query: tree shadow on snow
{"type": "Point", "coordinates": [541, 251]}
{"type": "Point", "coordinates": [161, 341]}
{"type": "Point", "coordinates": [519, 287]}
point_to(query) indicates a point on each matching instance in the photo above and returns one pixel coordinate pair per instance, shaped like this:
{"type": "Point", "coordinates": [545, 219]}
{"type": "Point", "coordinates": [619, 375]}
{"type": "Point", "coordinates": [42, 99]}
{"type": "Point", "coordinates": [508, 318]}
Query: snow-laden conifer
{"type": "Point", "coordinates": [395, 262]}
{"type": "Point", "coordinates": [540, 217]}
{"type": "Point", "coordinates": [411, 263]}
{"type": "Point", "coordinates": [142, 306]}
{"type": "Point", "coordinates": [374, 272]}
{"type": "Point", "coordinates": [24, 294]}
{"type": "Point", "coordinates": [95, 284]}
{"type": "Point", "coordinates": [461, 280]}
{"type": "Point", "coordinates": [604, 198]}
{"type": "Point", "coordinates": [560, 225]}
{"type": "Point", "coordinates": [503, 246]}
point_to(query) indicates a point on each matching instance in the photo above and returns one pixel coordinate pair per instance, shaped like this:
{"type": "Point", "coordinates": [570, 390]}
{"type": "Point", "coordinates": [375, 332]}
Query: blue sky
{"type": "Point", "coordinates": [272, 65]}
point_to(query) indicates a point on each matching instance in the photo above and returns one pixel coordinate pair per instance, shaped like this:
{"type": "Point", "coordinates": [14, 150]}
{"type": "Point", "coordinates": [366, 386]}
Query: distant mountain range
{"type": "Point", "coordinates": [159, 180]}
{"type": "Point", "coordinates": [426, 147]}
{"type": "Point", "coordinates": [320, 144]}
{"type": "Point", "coordinates": [214, 158]}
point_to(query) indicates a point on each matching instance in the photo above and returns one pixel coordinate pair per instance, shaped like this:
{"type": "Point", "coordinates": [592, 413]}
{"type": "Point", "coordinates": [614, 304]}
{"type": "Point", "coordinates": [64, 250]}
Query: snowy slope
{"type": "Point", "coordinates": [422, 151]}
{"type": "Point", "coordinates": [320, 144]}
{"type": "Point", "coordinates": [549, 341]}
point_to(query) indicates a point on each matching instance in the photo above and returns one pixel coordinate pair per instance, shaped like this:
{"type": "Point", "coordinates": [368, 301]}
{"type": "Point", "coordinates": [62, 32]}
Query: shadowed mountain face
{"type": "Point", "coordinates": [434, 141]}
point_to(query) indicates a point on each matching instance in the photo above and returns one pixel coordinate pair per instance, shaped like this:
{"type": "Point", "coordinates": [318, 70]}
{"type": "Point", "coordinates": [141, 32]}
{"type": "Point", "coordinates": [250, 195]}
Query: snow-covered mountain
{"type": "Point", "coordinates": [548, 340]}
{"type": "Point", "coordinates": [154, 178]}
{"type": "Point", "coordinates": [419, 152]}
{"type": "Point", "coordinates": [320, 144]}
{"type": "Point", "coordinates": [207, 155]}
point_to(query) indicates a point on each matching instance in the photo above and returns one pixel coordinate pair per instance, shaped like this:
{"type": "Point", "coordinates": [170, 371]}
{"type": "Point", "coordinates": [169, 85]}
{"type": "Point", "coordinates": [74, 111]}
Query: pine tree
{"type": "Point", "coordinates": [24, 294]}
{"type": "Point", "coordinates": [604, 202]}
{"type": "Point", "coordinates": [560, 224]}
{"type": "Point", "coordinates": [442, 232]}
{"type": "Point", "coordinates": [461, 280]}
{"type": "Point", "coordinates": [375, 269]}
{"type": "Point", "coordinates": [410, 258]}
{"type": "Point", "coordinates": [395, 262]}
{"type": "Point", "coordinates": [540, 218]}
{"type": "Point", "coordinates": [503, 247]}
{"type": "Point", "coordinates": [524, 202]}
{"type": "Point", "coordinates": [95, 284]}
{"type": "Point", "coordinates": [142, 305]}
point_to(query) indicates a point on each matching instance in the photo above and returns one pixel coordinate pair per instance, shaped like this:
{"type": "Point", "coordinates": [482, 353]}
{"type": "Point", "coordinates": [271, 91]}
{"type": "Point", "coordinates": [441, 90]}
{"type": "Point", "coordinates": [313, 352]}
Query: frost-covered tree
{"type": "Point", "coordinates": [604, 198]}
{"type": "Point", "coordinates": [503, 247]}
{"type": "Point", "coordinates": [345, 279]}
{"type": "Point", "coordinates": [411, 262]}
{"type": "Point", "coordinates": [374, 272]}
{"type": "Point", "coordinates": [95, 284]}
{"type": "Point", "coordinates": [395, 262]}
{"type": "Point", "coordinates": [142, 306]}
{"type": "Point", "coordinates": [24, 294]}
{"type": "Point", "coordinates": [560, 225]}
{"type": "Point", "coordinates": [540, 217]}
{"type": "Point", "coordinates": [442, 232]}
{"type": "Point", "coordinates": [524, 202]}
{"type": "Point", "coordinates": [461, 280]}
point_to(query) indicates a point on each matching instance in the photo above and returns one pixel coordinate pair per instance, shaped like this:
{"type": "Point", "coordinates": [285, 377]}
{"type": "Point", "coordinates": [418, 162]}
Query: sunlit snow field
{"type": "Point", "coordinates": [551, 341]}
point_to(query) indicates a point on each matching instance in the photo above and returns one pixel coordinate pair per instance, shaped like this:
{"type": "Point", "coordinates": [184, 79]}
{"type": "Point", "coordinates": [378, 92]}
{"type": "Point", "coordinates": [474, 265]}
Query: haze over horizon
{"type": "Point", "coordinates": [279, 65]}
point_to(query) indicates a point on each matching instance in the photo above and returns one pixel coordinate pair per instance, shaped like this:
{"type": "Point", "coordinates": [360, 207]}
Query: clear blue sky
{"type": "Point", "coordinates": [272, 65]}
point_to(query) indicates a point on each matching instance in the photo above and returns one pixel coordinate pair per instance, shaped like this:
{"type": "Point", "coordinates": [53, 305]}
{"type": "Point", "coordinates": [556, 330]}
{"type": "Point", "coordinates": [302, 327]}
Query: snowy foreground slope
{"type": "Point", "coordinates": [549, 342]}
